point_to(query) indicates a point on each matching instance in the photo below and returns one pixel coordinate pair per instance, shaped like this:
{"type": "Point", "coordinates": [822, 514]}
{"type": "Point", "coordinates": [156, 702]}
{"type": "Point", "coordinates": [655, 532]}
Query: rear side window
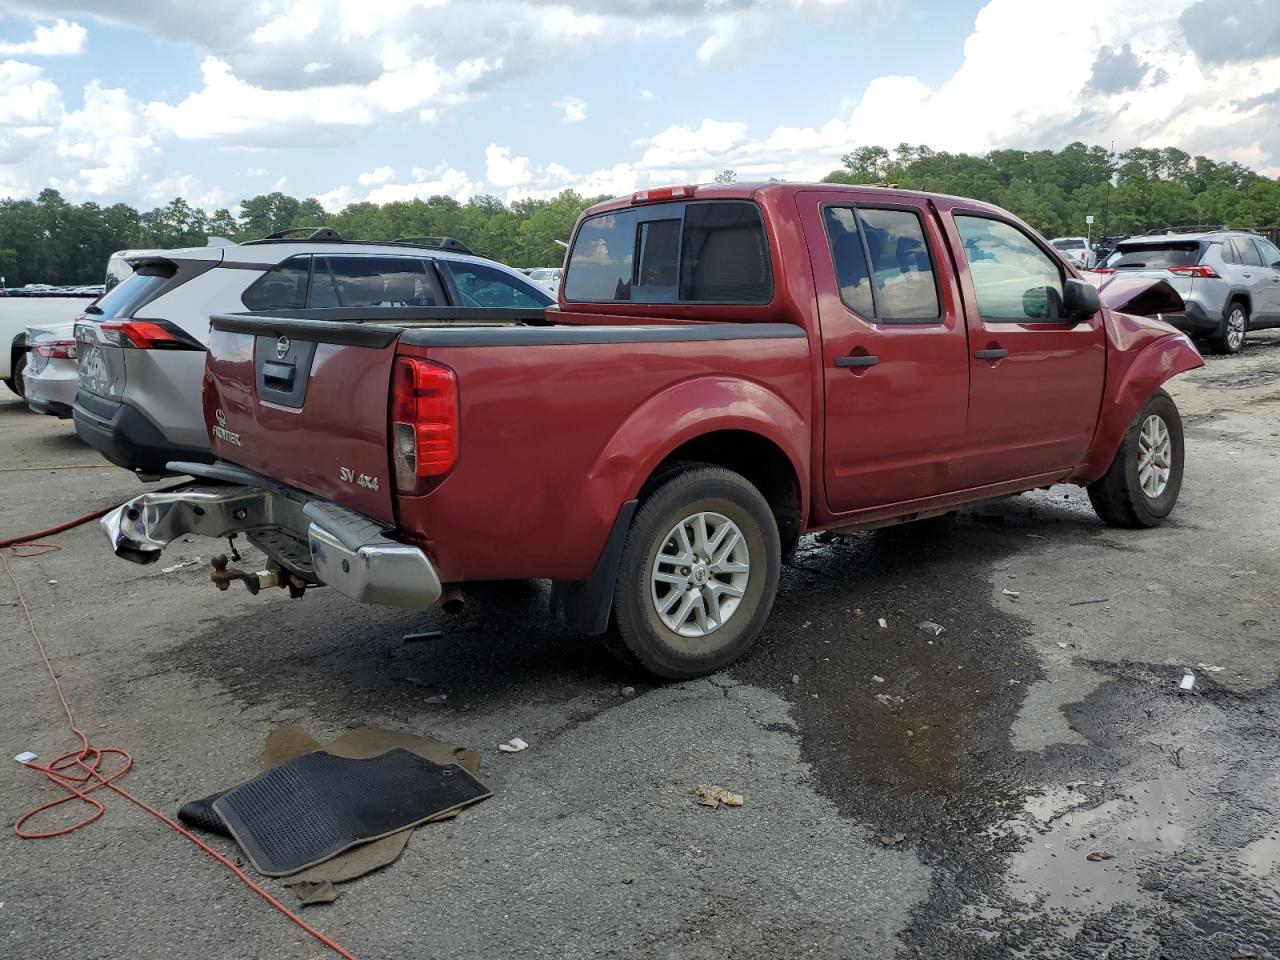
{"type": "Point", "coordinates": [1227, 252]}
{"type": "Point", "coordinates": [1155, 256]}
{"type": "Point", "coordinates": [1247, 252]}
{"type": "Point", "coordinates": [484, 286]}
{"type": "Point", "coordinates": [901, 271]}
{"type": "Point", "coordinates": [146, 282]}
{"type": "Point", "coordinates": [379, 281]}
{"type": "Point", "coordinates": [283, 286]}
{"type": "Point", "coordinates": [708, 252]}
{"type": "Point", "coordinates": [850, 260]}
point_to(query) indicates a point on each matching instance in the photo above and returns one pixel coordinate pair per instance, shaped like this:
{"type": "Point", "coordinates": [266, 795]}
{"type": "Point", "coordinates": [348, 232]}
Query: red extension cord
{"type": "Point", "coordinates": [80, 772]}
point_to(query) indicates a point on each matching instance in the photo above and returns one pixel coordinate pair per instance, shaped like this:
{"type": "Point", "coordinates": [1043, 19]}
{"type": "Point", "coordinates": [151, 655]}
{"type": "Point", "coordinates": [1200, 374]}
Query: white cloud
{"type": "Point", "coordinates": [63, 39]}
{"type": "Point", "coordinates": [575, 110]}
{"type": "Point", "coordinates": [30, 109]}
{"type": "Point", "coordinates": [380, 175]}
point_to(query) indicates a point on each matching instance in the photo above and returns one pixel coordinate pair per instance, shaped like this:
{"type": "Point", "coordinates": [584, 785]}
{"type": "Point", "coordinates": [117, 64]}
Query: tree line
{"type": "Point", "coordinates": [50, 240]}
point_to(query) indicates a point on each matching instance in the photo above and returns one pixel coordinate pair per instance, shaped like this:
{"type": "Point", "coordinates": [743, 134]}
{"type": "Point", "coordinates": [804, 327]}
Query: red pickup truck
{"type": "Point", "coordinates": [728, 368]}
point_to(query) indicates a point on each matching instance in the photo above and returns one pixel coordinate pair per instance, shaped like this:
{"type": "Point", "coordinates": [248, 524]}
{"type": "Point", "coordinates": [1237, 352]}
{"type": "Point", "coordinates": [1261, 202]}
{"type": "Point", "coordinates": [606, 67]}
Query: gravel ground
{"type": "Point", "coordinates": [956, 821]}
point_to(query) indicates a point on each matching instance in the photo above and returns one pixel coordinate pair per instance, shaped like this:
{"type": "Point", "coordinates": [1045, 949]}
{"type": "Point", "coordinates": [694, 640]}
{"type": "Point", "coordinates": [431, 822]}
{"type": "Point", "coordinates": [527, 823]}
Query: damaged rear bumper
{"type": "Point", "coordinates": [309, 537]}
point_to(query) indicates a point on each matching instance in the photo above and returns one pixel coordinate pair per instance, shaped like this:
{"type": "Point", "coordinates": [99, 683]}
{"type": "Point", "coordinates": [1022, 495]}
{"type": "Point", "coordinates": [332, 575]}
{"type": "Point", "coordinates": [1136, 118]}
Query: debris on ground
{"type": "Point", "coordinates": [1099, 856]}
{"type": "Point", "coordinates": [876, 678]}
{"type": "Point", "coordinates": [893, 839]}
{"type": "Point", "coordinates": [627, 692]}
{"type": "Point", "coordinates": [1013, 595]}
{"type": "Point", "coordinates": [25, 757]}
{"type": "Point", "coordinates": [857, 611]}
{"type": "Point", "coordinates": [424, 635]}
{"type": "Point", "coordinates": [180, 564]}
{"type": "Point", "coordinates": [1063, 644]}
{"type": "Point", "coordinates": [716, 796]}
{"type": "Point", "coordinates": [888, 699]}
{"type": "Point", "coordinates": [795, 678]}
{"type": "Point", "coordinates": [931, 628]}
{"type": "Point", "coordinates": [884, 624]}
{"type": "Point", "coordinates": [1188, 681]}
{"type": "Point", "coordinates": [1210, 668]}
{"type": "Point", "coordinates": [437, 698]}
{"type": "Point", "coordinates": [1081, 603]}
{"type": "Point", "coordinates": [514, 745]}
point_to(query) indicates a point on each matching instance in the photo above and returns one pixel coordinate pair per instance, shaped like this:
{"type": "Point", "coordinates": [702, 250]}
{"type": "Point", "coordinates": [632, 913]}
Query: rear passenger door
{"type": "Point", "coordinates": [895, 371]}
{"type": "Point", "coordinates": [1036, 379]}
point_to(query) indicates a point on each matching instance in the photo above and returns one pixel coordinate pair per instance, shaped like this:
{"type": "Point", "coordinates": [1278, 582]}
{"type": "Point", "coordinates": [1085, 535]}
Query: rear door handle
{"type": "Point", "coordinates": [997, 354]}
{"type": "Point", "coordinates": [863, 361]}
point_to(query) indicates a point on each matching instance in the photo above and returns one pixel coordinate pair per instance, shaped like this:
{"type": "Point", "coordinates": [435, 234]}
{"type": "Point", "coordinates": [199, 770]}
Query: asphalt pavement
{"type": "Point", "coordinates": [1030, 783]}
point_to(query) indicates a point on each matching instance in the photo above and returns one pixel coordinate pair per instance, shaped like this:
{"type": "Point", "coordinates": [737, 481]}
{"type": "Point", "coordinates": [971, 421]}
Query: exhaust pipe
{"type": "Point", "coordinates": [451, 599]}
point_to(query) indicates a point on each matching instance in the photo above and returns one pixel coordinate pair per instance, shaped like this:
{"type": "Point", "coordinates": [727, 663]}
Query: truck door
{"type": "Point", "coordinates": [894, 354]}
{"type": "Point", "coordinates": [1036, 380]}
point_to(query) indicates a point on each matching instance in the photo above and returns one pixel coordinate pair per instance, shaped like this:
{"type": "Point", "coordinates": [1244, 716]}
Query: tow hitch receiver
{"type": "Point", "coordinates": [222, 576]}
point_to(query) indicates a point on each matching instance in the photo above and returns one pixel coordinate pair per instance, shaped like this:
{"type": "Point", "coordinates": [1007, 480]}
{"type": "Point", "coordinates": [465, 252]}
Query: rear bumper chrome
{"type": "Point", "coordinates": [348, 551]}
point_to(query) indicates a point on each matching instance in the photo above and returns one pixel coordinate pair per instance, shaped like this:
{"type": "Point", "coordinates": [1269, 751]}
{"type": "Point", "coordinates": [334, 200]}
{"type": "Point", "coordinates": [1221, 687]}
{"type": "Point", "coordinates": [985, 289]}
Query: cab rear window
{"type": "Point", "coordinates": [695, 252]}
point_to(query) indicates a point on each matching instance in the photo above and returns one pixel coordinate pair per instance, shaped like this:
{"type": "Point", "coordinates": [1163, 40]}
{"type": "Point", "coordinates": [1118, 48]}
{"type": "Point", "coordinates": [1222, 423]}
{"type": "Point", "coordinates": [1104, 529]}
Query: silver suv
{"type": "Point", "coordinates": [141, 347]}
{"type": "Point", "coordinates": [1229, 279]}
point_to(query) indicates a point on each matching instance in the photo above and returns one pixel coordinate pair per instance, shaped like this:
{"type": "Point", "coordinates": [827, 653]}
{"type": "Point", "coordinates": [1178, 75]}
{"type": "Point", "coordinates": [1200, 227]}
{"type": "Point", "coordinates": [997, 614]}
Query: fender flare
{"type": "Point", "coordinates": [1159, 362]}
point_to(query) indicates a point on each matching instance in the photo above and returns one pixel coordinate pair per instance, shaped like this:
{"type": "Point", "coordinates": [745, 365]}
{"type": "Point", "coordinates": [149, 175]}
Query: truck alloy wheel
{"type": "Point", "coordinates": [1142, 484]}
{"type": "Point", "coordinates": [698, 575]}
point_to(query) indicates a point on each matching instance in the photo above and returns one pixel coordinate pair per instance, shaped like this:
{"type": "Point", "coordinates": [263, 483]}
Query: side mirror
{"type": "Point", "coordinates": [1080, 299]}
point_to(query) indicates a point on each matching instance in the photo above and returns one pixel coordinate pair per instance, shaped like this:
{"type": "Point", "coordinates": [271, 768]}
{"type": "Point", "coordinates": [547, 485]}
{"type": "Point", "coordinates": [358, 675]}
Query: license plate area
{"type": "Point", "coordinates": [100, 368]}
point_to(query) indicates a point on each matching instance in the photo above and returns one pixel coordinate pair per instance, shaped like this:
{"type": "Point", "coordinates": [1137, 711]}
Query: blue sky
{"type": "Point", "coordinates": [349, 100]}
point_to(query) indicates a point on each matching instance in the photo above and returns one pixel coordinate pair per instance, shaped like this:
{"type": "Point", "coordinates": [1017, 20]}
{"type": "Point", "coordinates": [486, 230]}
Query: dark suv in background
{"type": "Point", "coordinates": [1229, 279]}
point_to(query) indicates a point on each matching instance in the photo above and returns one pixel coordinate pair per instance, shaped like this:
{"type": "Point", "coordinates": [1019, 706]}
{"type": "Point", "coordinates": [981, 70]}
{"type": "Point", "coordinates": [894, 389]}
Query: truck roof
{"type": "Point", "coordinates": [752, 190]}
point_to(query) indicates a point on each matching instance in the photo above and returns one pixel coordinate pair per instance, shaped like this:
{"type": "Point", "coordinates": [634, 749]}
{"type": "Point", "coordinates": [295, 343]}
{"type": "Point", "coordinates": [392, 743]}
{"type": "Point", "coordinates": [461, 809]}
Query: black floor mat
{"type": "Point", "coordinates": [200, 814]}
{"type": "Point", "coordinates": [310, 809]}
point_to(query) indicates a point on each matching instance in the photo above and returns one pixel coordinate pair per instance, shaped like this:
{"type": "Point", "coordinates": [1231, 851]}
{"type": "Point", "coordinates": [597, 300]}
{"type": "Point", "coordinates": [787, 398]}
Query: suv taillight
{"type": "Point", "coordinates": [1199, 271]}
{"type": "Point", "coordinates": [424, 422]}
{"type": "Point", "coordinates": [148, 335]}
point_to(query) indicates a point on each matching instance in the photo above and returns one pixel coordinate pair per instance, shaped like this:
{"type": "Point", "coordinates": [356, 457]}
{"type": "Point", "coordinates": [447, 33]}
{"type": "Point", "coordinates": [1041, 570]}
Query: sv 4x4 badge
{"type": "Point", "coordinates": [348, 475]}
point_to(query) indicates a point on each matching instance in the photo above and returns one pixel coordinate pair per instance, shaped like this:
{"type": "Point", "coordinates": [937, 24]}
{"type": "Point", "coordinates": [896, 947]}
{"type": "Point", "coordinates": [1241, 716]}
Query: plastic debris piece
{"type": "Point", "coordinates": [884, 624]}
{"type": "Point", "coordinates": [514, 745]}
{"type": "Point", "coordinates": [1081, 603]}
{"type": "Point", "coordinates": [1188, 681]}
{"type": "Point", "coordinates": [1063, 644]}
{"type": "Point", "coordinates": [892, 839]}
{"type": "Point", "coordinates": [888, 699]}
{"type": "Point", "coordinates": [795, 678]}
{"type": "Point", "coordinates": [875, 678]}
{"type": "Point", "coordinates": [424, 635]}
{"type": "Point", "coordinates": [25, 757]}
{"type": "Point", "coordinates": [716, 796]}
{"type": "Point", "coordinates": [627, 692]}
{"type": "Point", "coordinates": [931, 628]}
{"type": "Point", "coordinates": [180, 564]}
{"type": "Point", "coordinates": [1013, 595]}
{"type": "Point", "coordinates": [1210, 668]}
{"type": "Point", "coordinates": [1099, 856]}
{"type": "Point", "coordinates": [53, 582]}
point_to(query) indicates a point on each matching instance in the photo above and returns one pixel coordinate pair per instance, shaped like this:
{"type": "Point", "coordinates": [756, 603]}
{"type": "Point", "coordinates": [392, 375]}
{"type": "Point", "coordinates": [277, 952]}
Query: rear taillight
{"type": "Point", "coordinates": [148, 335]}
{"type": "Point", "coordinates": [1199, 271]}
{"type": "Point", "coordinates": [56, 350]}
{"type": "Point", "coordinates": [424, 422]}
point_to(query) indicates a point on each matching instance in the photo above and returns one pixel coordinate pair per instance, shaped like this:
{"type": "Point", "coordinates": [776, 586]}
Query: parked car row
{"type": "Point", "coordinates": [729, 367]}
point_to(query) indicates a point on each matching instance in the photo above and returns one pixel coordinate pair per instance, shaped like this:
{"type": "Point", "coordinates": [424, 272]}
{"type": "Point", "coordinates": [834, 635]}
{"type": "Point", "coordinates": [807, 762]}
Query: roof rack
{"type": "Point", "coordinates": [437, 243]}
{"type": "Point", "coordinates": [1196, 228]}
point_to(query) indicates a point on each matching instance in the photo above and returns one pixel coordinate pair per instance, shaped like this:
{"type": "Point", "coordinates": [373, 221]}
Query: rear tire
{"type": "Point", "coordinates": [1142, 484]}
{"type": "Point", "coordinates": [17, 382]}
{"type": "Point", "coordinates": [1235, 328]}
{"type": "Point", "coordinates": [698, 575]}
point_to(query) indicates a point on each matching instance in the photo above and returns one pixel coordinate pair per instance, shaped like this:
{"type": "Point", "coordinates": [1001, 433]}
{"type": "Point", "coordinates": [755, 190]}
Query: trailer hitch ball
{"type": "Point", "coordinates": [223, 575]}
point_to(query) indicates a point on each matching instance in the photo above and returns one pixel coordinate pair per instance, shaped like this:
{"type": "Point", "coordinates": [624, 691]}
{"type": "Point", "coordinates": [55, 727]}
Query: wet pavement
{"type": "Point", "coordinates": [1033, 782]}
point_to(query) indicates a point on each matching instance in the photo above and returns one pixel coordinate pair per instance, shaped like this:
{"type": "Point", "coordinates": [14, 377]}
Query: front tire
{"type": "Point", "coordinates": [1142, 484]}
{"type": "Point", "coordinates": [698, 575]}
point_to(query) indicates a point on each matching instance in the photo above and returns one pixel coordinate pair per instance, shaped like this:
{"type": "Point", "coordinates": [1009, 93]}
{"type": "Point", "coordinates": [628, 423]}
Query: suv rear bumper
{"type": "Point", "coordinates": [348, 551]}
{"type": "Point", "coordinates": [1197, 320]}
{"type": "Point", "coordinates": [126, 437]}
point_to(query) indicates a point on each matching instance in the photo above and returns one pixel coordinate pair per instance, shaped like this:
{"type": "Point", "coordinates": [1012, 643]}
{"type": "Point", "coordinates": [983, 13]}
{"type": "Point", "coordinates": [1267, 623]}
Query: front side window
{"type": "Point", "coordinates": [281, 287]}
{"type": "Point", "coordinates": [483, 286]}
{"type": "Point", "coordinates": [1013, 278]}
{"type": "Point", "coordinates": [1270, 254]}
{"type": "Point", "coordinates": [708, 252]}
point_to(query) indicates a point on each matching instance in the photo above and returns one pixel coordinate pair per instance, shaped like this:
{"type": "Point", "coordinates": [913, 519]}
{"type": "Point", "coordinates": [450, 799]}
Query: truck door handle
{"type": "Point", "coordinates": [862, 361]}
{"type": "Point", "coordinates": [995, 354]}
